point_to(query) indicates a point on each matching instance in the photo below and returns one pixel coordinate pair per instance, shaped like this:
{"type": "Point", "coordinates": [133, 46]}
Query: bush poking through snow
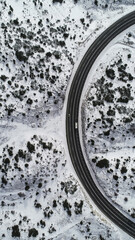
{"type": "Point", "coordinates": [32, 232]}
{"type": "Point", "coordinates": [57, 1]}
{"type": "Point", "coordinates": [67, 207]}
{"type": "Point", "coordinates": [15, 231]}
{"type": "Point", "coordinates": [31, 147]}
{"type": "Point", "coordinates": [103, 163]}
{"type": "Point", "coordinates": [78, 207]}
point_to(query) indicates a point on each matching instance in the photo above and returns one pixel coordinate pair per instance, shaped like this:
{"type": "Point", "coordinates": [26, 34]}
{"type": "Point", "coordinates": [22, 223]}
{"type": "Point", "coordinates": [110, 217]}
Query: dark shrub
{"type": "Point", "coordinates": [55, 1]}
{"type": "Point", "coordinates": [33, 232]}
{"type": "Point", "coordinates": [15, 231]}
{"type": "Point", "coordinates": [54, 203]}
{"type": "Point", "coordinates": [29, 101]}
{"type": "Point", "coordinates": [21, 153]}
{"type": "Point", "coordinates": [6, 161]}
{"type": "Point", "coordinates": [31, 147]}
{"type": "Point", "coordinates": [110, 73]}
{"type": "Point", "coordinates": [103, 163]}
{"type": "Point", "coordinates": [123, 170]}
{"type": "Point", "coordinates": [67, 207]}
{"type": "Point", "coordinates": [115, 177]}
{"type": "Point", "coordinates": [78, 207]}
{"type": "Point", "coordinates": [20, 56]}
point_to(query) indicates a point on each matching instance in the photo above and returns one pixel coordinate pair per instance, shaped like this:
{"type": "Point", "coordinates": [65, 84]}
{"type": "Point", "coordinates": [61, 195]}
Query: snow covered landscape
{"type": "Point", "coordinates": [42, 43]}
{"type": "Point", "coordinates": [111, 125]}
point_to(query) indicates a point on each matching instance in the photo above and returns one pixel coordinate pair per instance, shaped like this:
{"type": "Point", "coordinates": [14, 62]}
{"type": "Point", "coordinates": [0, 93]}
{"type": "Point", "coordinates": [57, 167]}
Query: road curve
{"type": "Point", "coordinates": [72, 133]}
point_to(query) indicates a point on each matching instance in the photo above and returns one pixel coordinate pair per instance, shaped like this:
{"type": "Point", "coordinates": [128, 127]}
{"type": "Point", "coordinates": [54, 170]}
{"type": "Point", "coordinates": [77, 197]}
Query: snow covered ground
{"type": "Point", "coordinates": [109, 125]}
{"type": "Point", "coordinates": [40, 196]}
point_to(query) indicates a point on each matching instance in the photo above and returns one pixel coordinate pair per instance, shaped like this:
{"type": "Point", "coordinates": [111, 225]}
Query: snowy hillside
{"type": "Point", "coordinates": [40, 195]}
{"type": "Point", "coordinates": [110, 123]}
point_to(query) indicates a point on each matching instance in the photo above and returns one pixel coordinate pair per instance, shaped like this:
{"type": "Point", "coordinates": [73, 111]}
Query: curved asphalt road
{"type": "Point", "coordinates": [72, 133]}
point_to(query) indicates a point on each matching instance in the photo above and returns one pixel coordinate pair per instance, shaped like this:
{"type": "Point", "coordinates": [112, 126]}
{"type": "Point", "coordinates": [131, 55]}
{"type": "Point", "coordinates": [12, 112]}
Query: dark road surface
{"type": "Point", "coordinates": [72, 132]}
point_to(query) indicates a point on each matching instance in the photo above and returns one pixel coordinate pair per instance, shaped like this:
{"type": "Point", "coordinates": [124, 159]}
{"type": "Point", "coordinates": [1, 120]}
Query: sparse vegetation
{"type": "Point", "coordinates": [38, 52]}
{"type": "Point", "coordinates": [33, 232]}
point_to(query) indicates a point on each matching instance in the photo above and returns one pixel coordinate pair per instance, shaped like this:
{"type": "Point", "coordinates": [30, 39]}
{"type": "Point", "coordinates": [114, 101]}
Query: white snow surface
{"type": "Point", "coordinates": [109, 141]}
{"type": "Point", "coordinates": [41, 46]}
